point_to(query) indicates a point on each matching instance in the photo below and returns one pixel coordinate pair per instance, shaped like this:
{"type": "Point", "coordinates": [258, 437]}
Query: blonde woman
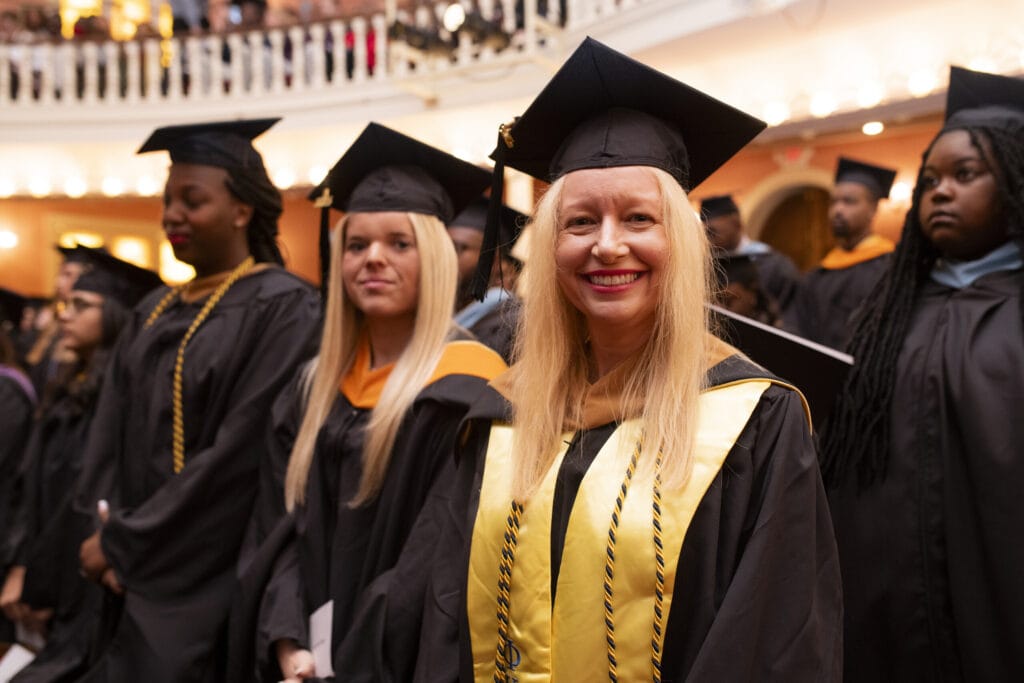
{"type": "Point", "coordinates": [636, 500]}
{"type": "Point", "coordinates": [375, 414]}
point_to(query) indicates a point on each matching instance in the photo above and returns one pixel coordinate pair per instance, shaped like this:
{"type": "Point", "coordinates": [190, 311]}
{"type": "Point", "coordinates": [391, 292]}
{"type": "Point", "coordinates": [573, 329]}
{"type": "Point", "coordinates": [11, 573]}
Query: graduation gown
{"type": "Point", "coordinates": [497, 328]}
{"type": "Point", "coordinates": [756, 594]}
{"type": "Point", "coordinates": [834, 291]}
{"type": "Point", "coordinates": [16, 406]}
{"type": "Point", "coordinates": [173, 539]}
{"type": "Point", "coordinates": [931, 555]}
{"type": "Point", "coordinates": [338, 552]}
{"type": "Point", "coordinates": [779, 276]}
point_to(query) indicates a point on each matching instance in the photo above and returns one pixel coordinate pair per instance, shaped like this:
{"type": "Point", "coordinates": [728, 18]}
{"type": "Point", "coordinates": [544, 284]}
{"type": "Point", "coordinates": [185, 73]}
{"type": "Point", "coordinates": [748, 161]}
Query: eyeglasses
{"type": "Point", "coordinates": [77, 305]}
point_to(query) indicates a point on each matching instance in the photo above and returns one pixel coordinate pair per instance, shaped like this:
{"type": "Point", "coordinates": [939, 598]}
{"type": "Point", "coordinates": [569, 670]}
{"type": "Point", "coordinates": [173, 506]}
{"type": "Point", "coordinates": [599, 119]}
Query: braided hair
{"type": "Point", "coordinates": [857, 436]}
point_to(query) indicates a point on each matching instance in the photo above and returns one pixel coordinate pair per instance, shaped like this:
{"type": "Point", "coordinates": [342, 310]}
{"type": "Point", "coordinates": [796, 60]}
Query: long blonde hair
{"type": "Point", "coordinates": [550, 377]}
{"type": "Point", "coordinates": [343, 325]}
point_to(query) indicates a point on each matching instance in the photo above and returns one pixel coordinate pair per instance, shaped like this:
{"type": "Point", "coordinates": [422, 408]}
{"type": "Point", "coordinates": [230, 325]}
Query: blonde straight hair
{"type": "Point", "coordinates": [343, 325]}
{"type": "Point", "coordinates": [550, 379]}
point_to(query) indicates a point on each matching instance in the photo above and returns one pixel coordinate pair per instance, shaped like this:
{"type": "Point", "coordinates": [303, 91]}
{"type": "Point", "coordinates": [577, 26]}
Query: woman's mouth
{"type": "Point", "coordinates": [612, 279]}
{"type": "Point", "coordinates": [177, 239]}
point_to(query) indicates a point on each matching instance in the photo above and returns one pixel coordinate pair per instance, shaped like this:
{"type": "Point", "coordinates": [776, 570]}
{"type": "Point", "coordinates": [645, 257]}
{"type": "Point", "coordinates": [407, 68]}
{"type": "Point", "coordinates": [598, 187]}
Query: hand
{"type": "Point", "coordinates": [10, 598]}
{"type": "Point", "coordinates": [90, 554]}
{"type": "Point", "coordinates": [295, 662]}
{"type": "Point", "coordinates": [37, 620]}
{"type": "Point", "coordinates": [109, 579]}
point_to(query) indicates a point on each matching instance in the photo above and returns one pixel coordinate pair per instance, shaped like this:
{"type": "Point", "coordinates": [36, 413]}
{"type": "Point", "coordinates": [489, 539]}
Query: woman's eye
{"type": "Point", "coordinates": [402, 245]}
{"type": "Point", "coordinates": [579, 222]}
{"type": "Point", "coordinates": [929, 182]}
{"type": "Point", "coordinates": [354, 246]}
{"type": "Point", "coordinates": [966, 174]}
{"type": "Point", "coordinates": [640, 218]}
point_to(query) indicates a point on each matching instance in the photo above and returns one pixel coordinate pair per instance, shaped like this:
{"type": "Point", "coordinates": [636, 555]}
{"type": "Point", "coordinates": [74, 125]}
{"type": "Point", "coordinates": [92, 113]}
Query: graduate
{"type": "Point", "coordinates": [843, 280]}
{"type": "Point", "coordinates": [43, 587]}
{"type": "Point", "coordinates": [740, 290]}
{"type": "Point", "coordinates": [176, 442]}
{"type": "Point", "coordinates": [776, 271]}
{"type": "Point", "coordinates": [923, 453]}
{"type": "Point", "coordinates": [492, 320]}
{"type": "Point", "coordinates": [623, 428]}
{"type": "Point", "coordinates": [369, 425]}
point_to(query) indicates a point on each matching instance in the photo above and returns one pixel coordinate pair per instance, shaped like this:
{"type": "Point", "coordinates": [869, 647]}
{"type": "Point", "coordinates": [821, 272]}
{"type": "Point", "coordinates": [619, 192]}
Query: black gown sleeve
{"type": "Point", "coordinates": [148, 546]}
{"type": "Point", "coordinates": [15, 431]}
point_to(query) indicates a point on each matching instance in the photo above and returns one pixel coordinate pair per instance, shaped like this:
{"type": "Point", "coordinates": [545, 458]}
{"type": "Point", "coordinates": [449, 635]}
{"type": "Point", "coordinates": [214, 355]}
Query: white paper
{"type": "Point", "coordinates": [16, 659]}
{"type": "Point", "coordinates": [320, 625]}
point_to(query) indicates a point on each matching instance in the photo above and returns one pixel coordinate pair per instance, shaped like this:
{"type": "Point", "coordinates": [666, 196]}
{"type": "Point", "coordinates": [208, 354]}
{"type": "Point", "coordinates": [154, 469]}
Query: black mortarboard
{"type": "Point", "coordinates": [75, 254]}
{"type": "Point", "coordinates": [981, 99]}
{"type": "Point", "coordinates": [721, 205]}
{"type": "Point", "coordinates": [475, 216]}
{"type": "Point", "coordinates": [11, 306]}
{"type": "Point", "coordinates": [603, 109]}
{"type": "Point", "coordinates": [816, 370]}
{"type": "Point", "coordinates": [385, 170]}
{"type": "Point", "coordinates": [117, 279]}
{"type": "Point", "coordinates": [224, 144]}
{"type": "Point", "coordinates": [877, 179]}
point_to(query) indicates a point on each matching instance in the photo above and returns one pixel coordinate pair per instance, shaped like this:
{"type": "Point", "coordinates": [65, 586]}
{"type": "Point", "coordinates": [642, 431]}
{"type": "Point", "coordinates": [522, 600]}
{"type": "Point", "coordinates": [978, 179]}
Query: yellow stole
{"type": "Point", "coordinates": [871, 247]}
{"type": "Point", "coordinates": [567, 641]}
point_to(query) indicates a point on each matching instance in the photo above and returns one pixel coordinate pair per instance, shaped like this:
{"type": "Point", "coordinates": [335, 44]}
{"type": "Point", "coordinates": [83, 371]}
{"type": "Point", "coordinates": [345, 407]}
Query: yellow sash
{"type": "Point", "coordinates": [567, 642]}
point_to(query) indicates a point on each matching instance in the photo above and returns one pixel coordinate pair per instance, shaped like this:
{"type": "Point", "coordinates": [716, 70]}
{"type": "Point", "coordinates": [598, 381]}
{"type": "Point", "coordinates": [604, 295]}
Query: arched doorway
{"type": "Point", "coordinates": [798, 225]}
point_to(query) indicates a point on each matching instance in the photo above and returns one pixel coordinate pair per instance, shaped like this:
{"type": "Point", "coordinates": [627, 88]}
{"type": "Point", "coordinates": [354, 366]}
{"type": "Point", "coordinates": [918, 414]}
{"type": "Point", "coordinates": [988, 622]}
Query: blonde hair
{"type": "Point", "coordinates": [550, 377]}
{"type": "Point", "coordinates": [343, 325]}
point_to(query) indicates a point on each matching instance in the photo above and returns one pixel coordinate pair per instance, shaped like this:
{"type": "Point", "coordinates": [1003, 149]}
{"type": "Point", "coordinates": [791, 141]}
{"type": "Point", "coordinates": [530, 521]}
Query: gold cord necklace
{"type": "Point", "coordinates": [178, 430]}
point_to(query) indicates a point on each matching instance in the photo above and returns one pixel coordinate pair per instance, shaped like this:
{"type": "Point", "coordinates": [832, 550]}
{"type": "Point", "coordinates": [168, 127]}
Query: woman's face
{"type": "Point", "coordinates": [380, 265]}
{"type": "Point", "coordinates": [81, 321]}
{"type": "Point", "coordinates": [611, 250]}
{"type": "Point", "coordinates": [961, 211]}
{"type": "Point", "coordinates": [205, 224]}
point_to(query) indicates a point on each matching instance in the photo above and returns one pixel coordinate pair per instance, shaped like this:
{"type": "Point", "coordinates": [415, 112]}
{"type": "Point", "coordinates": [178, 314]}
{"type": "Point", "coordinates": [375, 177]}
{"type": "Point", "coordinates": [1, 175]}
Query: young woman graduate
{"type": "Point", "coordinates": [43, 588]}
{"type": "Point", "coordinates": [625, 427]}
{"type": "Point", "coordinates": [370, 424]}
{"type": "Point", "coordinates": [923, 455]}
{"type": "Point", "coordinates": [176, 442]}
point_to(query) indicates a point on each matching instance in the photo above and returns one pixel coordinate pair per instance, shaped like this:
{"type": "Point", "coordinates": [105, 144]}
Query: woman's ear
{"type": "Point", "coordinates": [243, 214]}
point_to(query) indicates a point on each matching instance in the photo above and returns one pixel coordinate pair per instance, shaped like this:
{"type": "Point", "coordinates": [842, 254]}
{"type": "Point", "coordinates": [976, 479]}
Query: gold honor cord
{"type": "Point", "coordinates": [178, 430]}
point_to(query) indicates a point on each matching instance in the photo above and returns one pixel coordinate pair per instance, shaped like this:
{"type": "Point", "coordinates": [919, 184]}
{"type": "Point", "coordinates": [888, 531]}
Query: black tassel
{"type": "Point", "coordinates": [324, 203]}
{"type": "Point", "coordinates": [492, 232]}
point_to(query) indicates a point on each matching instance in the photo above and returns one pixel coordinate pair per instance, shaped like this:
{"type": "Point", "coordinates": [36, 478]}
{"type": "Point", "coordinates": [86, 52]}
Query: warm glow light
{"type": "Point", "coordinates": [316, 174]}
{"type": "Point", "coordinates": [39, 186]}
{"type": "Point", "coordinates": [7, 187]}
{"type": "Point", "coordinates": [86, 239]}
{"type": "Point", "coordinates": [776, 113]}
{"type": "Point", "coordinates": [146, 186]}
{"type": "Point", "coordinates": [454, 17]}
{"type": "Point", "coordinates": [284, 177]}
{"type": "Point", "coordinates": [982, 63]}
{"type": "Point", "coordinates": [8, 239]}
{"type": "Point", "coordinates": [872, 128]}
{"type": "Point", "coordinates": [921, 83]}
{"type": "Point", "coordinates": [870, 95]}
{"type": "Point", "coordinates": [132, 249]}
{"type": "Point", "coordinates": [900, 192]}
{"type": "Point", "coordinates": [173, 271]}
{"type": "Point", "coordinates": [112, 187]}
{"type": "Point", "coordinates": [75, 187]}
{"type": "Point", "coordinates": [823, 104]}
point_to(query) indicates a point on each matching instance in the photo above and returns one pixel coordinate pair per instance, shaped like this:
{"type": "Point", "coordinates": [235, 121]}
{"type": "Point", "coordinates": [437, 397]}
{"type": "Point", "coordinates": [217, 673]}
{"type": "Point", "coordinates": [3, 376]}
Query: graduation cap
{"type": "Point", "coordinates": [11, 306]}
{"type": "Point", "coordinates": [120, 280]}
{"type": "Point", "coordinates": [816, 370]}
{"type": "Point", "coordinates": [603, 109]}
{"type": "Point", "coordinates": [475, 216]}
{"type": "Point", "coordinates": [983, 99]}
{"type": "Point", "coordinates": [720, 205]}
{"type": "Point", "coordinates": [76, 254]}
{"type": "Point", "coordinates": [224, 144]}
{"type": "Point", "coordinates": [385, 170]}
{"type": "Point", "coordinates": [877, 179]}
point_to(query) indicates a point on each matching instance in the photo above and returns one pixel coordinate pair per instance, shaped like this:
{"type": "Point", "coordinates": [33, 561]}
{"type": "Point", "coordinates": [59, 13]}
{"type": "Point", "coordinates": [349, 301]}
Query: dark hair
{"type": "Point", "coordinates": [857, 436]}
{"type": "Point", "coordinates": [254, 188]}
{"type": "Point", "coordinates": [7, 353]}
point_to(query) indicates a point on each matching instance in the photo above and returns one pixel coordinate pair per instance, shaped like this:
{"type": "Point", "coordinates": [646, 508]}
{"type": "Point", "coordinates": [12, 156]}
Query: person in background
{"type": "Point", "coordinates": [923, 456]}
{"type": "Point", "coordinates": [43, 589]}
{"type": "Point", "coordinates": [177, 439]}
{"type": "Point", "coordinates": [777, 272]}
{"type": "Point", "coordinates": [740, 290]}
{"type": "Point", "coordinates": [844, 279]}
{"type": "Point", "coordinates": [492, 320]}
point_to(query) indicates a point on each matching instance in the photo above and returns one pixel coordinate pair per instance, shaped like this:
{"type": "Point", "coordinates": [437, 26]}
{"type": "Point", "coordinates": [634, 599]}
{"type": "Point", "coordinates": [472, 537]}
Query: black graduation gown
{"type": "Point", "coordinates": [337, 552]}
{"type": "Point", "coordinates": [173, 539]}
{"type": "Point", "coordinates": [779, 277]}
{"type": "Point", "coordinates": [757, 593]}
{"type": "Point", "coordinates": [932, 558]}
{"type": "Point", "coordinates": [15, 426]}
{"type": "Point", "coordinates": [497, 329]}
{"type": "Point", "coordinates": [830, 297]}
{"type": "Point", "coordinates": [46, 539]}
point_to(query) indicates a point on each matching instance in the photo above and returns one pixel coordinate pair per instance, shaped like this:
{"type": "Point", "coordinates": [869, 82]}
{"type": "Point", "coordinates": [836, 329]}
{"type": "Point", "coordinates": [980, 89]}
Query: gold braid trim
{"type": "Point", "coordinates": [178, 428]}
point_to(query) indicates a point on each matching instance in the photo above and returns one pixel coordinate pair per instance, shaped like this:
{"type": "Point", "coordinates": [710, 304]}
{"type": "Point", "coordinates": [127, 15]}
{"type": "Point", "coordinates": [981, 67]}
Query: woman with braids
{"type": "Point", "coordinates": [635, 500]}
{"type": "Point", "coordinates": [43, 588]}
{"type": "Point", "coordinates": [171, 465]}
{"type": "Point", "coordinates": [370, 424]}
{"type": "Point", "coordinates": [923, 454]}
